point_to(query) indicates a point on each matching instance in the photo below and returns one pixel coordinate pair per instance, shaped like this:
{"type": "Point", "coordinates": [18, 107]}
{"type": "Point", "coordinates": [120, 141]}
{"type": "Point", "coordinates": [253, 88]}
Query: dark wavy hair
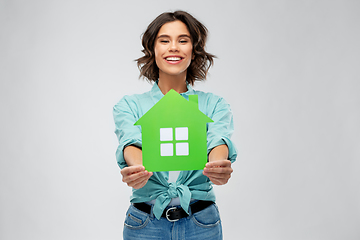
{"type": "Point", "coordinates": [202, 60]}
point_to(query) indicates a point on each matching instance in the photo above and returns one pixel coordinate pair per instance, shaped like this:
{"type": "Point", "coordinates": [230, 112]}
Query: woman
{"type": "Point", "coordinates": [174, 205]}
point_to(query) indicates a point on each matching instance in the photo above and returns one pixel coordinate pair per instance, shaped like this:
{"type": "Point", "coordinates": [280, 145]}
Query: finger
{"type": "Point", "coordinates": [140, 184]}
{"type": "Point", "coordinates": [219, 170]}
{"type": "Point", "coordinates": [132, 169]}
{"type": "Point", "coordinates": [217, 181]}
{"type": "Point", "coordinates": [218, 163]}
{"type": "Point", "coordinates": [218, 175]}
{"type": "Point", "coordinates": [218, 178]}
{"type": "Point", "coordinates": [137, 178]}
{"type": "Point", "coordinates": [134, 176]}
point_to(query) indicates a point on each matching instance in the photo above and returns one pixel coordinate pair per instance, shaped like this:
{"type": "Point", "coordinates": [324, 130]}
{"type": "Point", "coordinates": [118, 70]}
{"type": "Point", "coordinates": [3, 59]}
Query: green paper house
{"type": "Point", "coordinates": [174, 134]}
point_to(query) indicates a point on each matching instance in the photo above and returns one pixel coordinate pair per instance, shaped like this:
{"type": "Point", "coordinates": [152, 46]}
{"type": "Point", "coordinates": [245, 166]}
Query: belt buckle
{"type": "Point", "coordinates": [167, 214]}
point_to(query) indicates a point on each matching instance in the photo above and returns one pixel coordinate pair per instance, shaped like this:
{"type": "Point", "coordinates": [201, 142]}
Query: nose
{"type": "Point", "coordinates": [173, 47]}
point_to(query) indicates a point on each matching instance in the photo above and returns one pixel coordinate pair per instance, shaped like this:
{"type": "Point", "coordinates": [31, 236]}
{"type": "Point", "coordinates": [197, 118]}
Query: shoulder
{"type": "Point", "coordinates": [207, 95]}
{"type": "Point", "coordinates": [208, 100]}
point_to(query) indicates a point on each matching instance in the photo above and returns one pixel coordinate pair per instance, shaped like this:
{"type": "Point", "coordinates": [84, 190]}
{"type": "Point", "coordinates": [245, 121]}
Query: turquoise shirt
{"type": "Point", "coordinates": [190, 184]}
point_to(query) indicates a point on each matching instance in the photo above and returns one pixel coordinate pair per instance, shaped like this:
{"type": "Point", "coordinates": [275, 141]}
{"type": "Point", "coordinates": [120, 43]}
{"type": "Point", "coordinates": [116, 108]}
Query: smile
{"type": "Point", "coordinates": [173, 60]}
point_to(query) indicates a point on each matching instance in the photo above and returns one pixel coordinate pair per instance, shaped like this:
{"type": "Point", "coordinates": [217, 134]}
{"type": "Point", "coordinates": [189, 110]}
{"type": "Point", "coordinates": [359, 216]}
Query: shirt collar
{"type": "Point", "coordinates": [156, 93]}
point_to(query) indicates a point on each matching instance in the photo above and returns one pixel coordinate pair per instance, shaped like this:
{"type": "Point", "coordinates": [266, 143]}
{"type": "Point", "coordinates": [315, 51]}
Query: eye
{"type": "Point", "coordinates": [183, 41]}
{"type": "Point", "coordinates": [164, 41]}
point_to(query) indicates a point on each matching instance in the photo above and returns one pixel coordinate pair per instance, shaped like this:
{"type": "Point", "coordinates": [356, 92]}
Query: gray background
{"type": "Point", "coordinates": [289, 69]}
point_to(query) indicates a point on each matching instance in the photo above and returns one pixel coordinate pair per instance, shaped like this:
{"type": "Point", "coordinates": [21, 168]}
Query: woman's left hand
{"type": "Point", "coordinates": [219, 171]}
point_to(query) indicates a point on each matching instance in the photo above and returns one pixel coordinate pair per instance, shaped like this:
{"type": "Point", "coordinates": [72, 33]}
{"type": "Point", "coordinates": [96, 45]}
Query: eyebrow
{"type": "Point", "coordinates": [180, 36]}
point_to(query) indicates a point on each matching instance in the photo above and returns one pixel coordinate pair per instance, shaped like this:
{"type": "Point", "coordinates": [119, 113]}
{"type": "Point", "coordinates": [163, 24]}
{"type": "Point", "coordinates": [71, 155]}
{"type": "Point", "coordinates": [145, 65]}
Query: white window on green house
{"type": "Point", "coordinates": [167, 141]}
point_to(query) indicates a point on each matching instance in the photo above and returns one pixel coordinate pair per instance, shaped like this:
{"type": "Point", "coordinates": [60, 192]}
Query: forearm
{"type": "Point", "coordinates": [220, 152]}
{"type": "Point", "coordinates": [133, 155]}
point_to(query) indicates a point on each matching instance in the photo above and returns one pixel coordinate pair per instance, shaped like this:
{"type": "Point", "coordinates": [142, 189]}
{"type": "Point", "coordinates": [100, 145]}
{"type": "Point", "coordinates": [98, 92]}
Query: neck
{"type": "Point", "coordinates": [168, 82]}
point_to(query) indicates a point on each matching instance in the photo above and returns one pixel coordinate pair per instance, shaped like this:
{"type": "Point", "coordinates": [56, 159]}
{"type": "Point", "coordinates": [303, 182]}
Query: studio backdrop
{"type": "Point", "coordinates": [289, 70]}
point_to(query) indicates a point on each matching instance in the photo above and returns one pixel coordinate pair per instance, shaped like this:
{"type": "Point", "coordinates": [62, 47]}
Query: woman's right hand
{"type": "Point", "coordinates": [135, 176]}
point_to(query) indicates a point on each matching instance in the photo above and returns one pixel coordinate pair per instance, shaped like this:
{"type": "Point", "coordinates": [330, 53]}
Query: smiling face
{"type": "Point", "coordinates": [173, 50]}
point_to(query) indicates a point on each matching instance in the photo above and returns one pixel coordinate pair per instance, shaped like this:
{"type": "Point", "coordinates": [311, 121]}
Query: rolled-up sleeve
{"type": "Point", "coordinates": [125, 116]}
{"type": "Point", "coordinates": [219, 132]}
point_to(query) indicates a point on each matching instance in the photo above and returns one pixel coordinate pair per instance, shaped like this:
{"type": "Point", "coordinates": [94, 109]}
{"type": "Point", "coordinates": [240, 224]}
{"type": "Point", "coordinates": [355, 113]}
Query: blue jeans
{"type": "Point", "coordinates": [205, 224]}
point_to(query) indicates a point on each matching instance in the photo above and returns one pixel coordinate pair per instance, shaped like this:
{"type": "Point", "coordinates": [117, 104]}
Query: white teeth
{"type": "Point", "coordinates": [173, 59]}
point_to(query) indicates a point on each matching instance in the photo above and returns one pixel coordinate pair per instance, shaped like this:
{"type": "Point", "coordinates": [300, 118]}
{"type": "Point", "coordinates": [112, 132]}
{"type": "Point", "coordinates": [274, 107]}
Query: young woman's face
{"type": "Point", "coordinates": [173, 49]}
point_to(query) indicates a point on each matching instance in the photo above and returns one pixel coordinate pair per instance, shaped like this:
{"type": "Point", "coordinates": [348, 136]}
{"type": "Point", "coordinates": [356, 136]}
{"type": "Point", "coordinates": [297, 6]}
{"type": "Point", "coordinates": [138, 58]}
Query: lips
{"type": "Point", "coordinates": [173, 59]}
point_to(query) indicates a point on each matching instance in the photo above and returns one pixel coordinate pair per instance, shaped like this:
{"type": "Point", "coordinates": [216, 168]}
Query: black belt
{"type": "Point", "coordinates": [175, 213]}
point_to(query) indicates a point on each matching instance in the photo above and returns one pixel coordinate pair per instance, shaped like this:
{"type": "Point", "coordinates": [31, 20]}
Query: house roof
{"type": "Point", "coordinates": [173, 109]}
